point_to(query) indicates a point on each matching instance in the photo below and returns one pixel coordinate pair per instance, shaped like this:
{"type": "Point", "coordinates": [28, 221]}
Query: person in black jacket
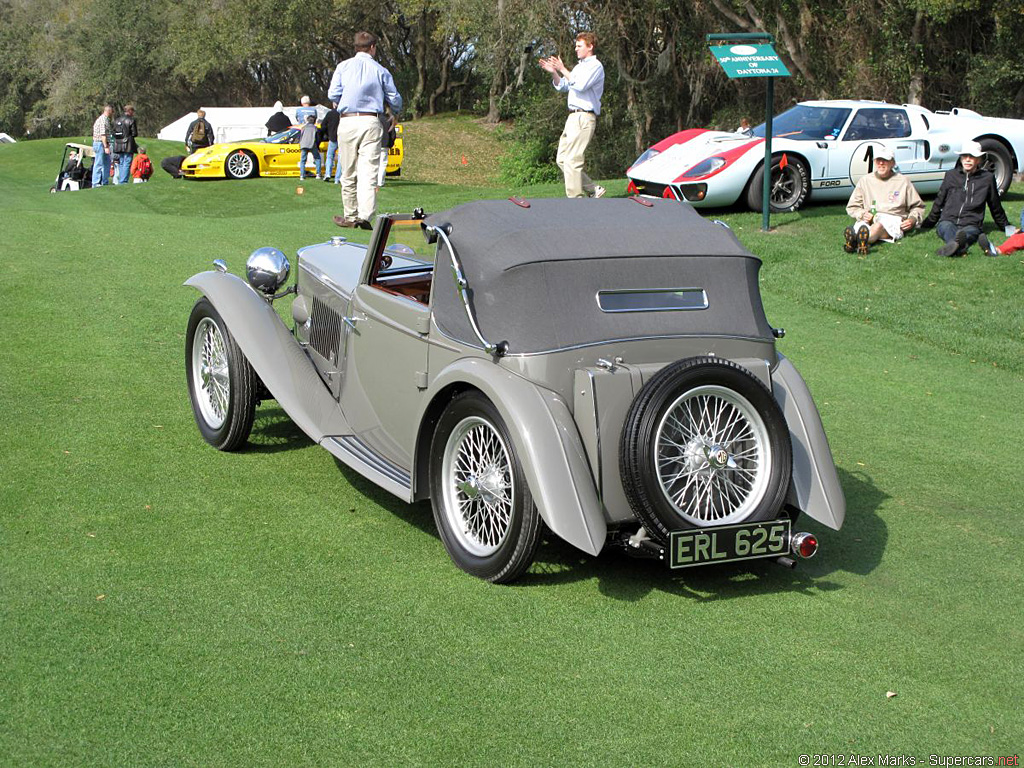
{"type": "Point", "coordinates": [123, 143]}
{"type": "Point", "coordinates": [199, 133]}
{"type": "Point", "coordinates": [329, 131]}
{"type": "Point", "coordinates": [959, 208]}
{"type": "Point", "coordinates": [278, 121]}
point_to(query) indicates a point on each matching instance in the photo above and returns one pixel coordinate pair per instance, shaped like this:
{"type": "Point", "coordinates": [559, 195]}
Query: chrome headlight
{"type": "Point", "coordinates": [267, 269]}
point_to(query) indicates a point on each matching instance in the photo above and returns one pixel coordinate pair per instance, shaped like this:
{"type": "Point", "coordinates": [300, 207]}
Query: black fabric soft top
{"type": "Point", "coordinates": [535, 273]}
{"type": "Point", "coordinates": [496, 235]}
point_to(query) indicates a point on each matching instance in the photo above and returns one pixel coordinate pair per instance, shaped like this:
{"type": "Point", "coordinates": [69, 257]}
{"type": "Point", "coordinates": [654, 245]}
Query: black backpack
{"type": "Point", "coordinates": [120, 129]}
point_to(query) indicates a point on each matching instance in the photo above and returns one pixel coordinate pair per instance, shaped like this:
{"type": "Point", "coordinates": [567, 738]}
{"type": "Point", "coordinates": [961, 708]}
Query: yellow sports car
{"type": "Point", "coordinates": [276, 155]}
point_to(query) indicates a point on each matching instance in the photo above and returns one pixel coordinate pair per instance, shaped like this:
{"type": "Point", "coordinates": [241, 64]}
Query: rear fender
{"type": "Point", "coordinates": [274, 354]}
{"type": "Point", "coordinates": [814, 487]}
{"type": "Point", "coordinates": [547, 442]}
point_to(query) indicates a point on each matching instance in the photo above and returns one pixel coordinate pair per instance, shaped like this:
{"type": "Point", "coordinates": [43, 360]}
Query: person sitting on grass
{"type": "Point", "coordinates": [959, 208]}
{"type": "Point", "coordinates": [884, 204]}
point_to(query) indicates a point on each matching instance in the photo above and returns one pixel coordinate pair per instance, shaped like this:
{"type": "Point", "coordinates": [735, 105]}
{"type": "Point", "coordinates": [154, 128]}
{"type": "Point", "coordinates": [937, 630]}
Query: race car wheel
{"type": "Point", "coordinates": [790, 185]}
{"type": "Point", "coordinates": [482, 506]}
{"type": "Point", "coordinates": [221, 383]}
{"type": "Point", "coordinates": [704, 444]}
{"type": "Point", "coordinates": [997, 160]}
{"type": "Point", "coordinates": [240, 165]}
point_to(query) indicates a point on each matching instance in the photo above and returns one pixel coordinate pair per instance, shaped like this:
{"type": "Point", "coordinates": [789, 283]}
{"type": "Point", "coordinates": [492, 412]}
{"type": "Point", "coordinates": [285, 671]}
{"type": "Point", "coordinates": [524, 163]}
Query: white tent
{"type": "Point", "coordinates": [5, 139]}
{"type": "Point", "coordinates": [230, 123]}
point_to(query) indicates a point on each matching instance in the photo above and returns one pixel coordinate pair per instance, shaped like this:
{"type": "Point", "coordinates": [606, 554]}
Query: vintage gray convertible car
{"type": "Point", "coordinates": [599, 368]}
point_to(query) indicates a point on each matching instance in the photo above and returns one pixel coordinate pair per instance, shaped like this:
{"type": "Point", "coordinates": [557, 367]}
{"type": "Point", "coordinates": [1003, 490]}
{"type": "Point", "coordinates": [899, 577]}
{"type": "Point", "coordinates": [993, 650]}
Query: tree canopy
{"type": "Point", "coordinates": [60, 60]}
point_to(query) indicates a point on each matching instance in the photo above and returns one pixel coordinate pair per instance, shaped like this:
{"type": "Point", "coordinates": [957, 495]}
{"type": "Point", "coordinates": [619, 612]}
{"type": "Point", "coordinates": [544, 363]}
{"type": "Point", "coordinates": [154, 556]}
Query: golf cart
{"type": "Point", "coordinates": [74, 175]}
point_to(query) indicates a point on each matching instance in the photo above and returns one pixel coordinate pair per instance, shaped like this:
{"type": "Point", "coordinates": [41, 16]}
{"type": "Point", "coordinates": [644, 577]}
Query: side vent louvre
{"type": "Point", "coordinates": [324, 330]}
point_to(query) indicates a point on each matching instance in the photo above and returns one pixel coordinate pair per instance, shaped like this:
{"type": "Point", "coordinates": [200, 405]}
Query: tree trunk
{"type": "Point", "coordinates": [498, 73]}
{"type": "Point", "coordinates": [916, 87]}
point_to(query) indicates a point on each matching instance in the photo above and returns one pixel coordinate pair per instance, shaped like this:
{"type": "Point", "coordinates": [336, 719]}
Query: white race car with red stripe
{"type": "Point", "coordinates": [819, 151]}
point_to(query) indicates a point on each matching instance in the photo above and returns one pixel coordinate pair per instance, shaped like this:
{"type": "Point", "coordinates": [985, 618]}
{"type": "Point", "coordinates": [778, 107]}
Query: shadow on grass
{"type": "Point", "coordinates": [857, 549]}
{"type": "Point", "coordinates": [273, 431]}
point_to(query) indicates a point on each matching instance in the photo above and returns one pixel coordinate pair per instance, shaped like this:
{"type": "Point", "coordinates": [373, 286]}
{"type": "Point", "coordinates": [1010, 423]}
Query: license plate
{"type": "Point", "coordinates": [728, 543]}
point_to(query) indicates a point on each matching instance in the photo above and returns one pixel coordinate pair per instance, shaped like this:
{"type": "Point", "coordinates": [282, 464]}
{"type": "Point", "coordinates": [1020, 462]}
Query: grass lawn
{"type": "Point", "coordinates": [165, 604]}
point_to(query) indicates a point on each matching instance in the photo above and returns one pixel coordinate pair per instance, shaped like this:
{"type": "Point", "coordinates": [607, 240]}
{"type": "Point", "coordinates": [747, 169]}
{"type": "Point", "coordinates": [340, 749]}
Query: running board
{"type": "Point", "coordinates": [370, 464]}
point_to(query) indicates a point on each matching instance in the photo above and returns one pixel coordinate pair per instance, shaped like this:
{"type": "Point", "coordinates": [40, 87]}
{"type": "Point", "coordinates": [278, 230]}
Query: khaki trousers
{"type": "Point", "coordinates": [579, 129]}
{"type": "Point", "coordinates": [359, 140]}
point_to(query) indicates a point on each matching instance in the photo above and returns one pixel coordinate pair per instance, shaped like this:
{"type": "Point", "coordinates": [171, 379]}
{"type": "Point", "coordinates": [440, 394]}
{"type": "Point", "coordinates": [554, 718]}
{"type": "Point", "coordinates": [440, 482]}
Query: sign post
{"type": "Point", "coordinates": [748, 60]}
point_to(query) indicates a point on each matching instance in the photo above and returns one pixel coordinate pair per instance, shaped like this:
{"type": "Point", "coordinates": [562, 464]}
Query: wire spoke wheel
{"type": "Point", "coordinates": [210, 373]}
{"type": "Point", "coordinates": [478, 489]}
{"type": "Point", "coordinates": [713, 456]}
{"type": "Point", "coordinates": [482, 504]}
{"type": "Point", "coordinates": [704, 444]}
{"type": "Point", "coordinates": [221, 383]}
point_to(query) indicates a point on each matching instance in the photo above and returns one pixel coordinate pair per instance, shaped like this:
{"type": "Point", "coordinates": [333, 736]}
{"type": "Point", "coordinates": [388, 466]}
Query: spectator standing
{"type": "Point", "coordinates": [329, 128]}
{"type": "Point", "coordinates": [304, 111]}
{"type": "Point", "coordinates": [883, 204]}
{"type": "Point", "coordinates": [101, 130]}
{"type": "Point", "coordinates": [142, 167]}
{"type": "Point", "coordinates": [124, 144]}
{"type": "Point", "coordinates": [361, 87]}
{"type": "Point", "coordinates": [959, 208]}
{"type": "Point", "coordinates": [278, 121]}
{"type": "Point", "coordinates": [309, 141]}
{"type": "Point", "coordinates": [585, 86]}
{"type": "Point", "coordinates": [199, 133]}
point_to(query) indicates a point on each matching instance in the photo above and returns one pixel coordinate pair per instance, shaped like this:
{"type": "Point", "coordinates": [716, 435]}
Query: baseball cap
{"type": "Point", "coordinates": [971, 148]}
{"type": "Point", "coordinates": [884, 153]}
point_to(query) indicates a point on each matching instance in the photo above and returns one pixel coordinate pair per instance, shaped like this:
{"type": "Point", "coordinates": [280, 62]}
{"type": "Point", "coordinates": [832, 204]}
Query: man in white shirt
{"type": "Point", "coordinates": [585, 85]}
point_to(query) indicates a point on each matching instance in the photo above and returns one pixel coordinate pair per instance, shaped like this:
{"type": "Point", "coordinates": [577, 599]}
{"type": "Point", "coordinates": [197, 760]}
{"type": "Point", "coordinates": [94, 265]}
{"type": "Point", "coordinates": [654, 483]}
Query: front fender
{"type": "Point", "coordinates": [814, 487]}
{"type": "Point", "coordinates": [548, 444]}
{"type": "Point", "coordinates": [274, 354]}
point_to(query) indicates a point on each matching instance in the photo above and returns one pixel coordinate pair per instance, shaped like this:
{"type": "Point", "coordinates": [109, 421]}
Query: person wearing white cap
{"type": "Point", "coordinates": [959, 208]}
{"type": "Point", "coordinates": [884, 204]}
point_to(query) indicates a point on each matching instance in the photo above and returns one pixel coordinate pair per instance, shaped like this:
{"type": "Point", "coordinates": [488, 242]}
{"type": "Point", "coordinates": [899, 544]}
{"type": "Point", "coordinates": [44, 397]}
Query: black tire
{"type": "Point", "coordinates": [241, 164]}
{"type": "Point", "coordinates": [789, 186]}
{"type": "Point", "coordinates": [997, 160]}
{"type": "Point", "coordinates": [224, 405]}
{"type": "Point", "coordinates": [730, 463]}
{"type": "Point", "coordinates": [488, 522]}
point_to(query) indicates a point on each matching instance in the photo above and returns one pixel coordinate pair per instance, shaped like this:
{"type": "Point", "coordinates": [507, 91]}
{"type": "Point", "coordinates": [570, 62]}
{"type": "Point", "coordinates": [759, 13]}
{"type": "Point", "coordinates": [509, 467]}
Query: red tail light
{"type": "Point", "coordinates": [804, 545]}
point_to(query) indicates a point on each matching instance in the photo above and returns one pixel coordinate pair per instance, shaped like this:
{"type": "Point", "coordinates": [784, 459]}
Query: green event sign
{"type": "Point", "coordinates": [743, 60]}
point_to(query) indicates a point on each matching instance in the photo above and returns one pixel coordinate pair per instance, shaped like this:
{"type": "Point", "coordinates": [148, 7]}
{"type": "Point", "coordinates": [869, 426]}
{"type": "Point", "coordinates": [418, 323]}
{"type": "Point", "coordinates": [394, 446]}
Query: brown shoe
{"type": "Point", "coordinates": [863, 238]}
{"type": "Point", "coordinates": [341, 221]}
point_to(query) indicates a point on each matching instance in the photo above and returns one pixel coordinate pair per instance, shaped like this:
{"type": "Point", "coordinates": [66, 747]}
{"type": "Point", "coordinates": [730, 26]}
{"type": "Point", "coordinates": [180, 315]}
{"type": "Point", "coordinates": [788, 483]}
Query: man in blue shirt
{"type": "Point", "coordinates": [361, 87]}
{"type": "Point", "coordinates": [304, 111]}
{"type": "Point", "coordinates": [585, 85]}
